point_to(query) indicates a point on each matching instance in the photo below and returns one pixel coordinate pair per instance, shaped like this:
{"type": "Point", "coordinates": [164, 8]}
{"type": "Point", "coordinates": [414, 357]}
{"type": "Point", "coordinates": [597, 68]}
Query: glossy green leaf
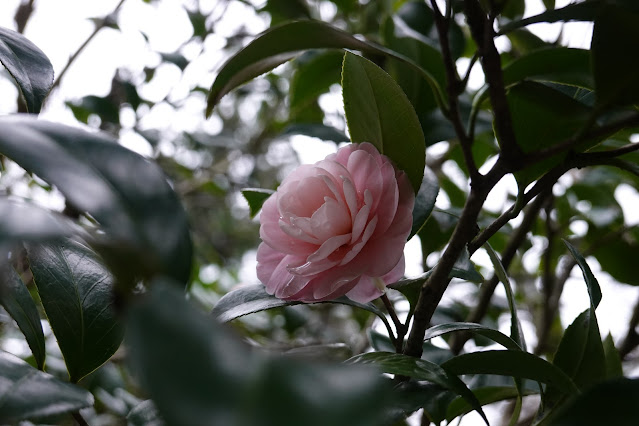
{"type": "Point", "coordinates": [610, 403]}
{"type": "Point", "coordinates": [249, 299]}
{"type": "Point", "coordinates": [494, 335]}
{"type": "Point", "coordinates": [594, 291]}
{"type": "Point", "coordinates": [615, 41]}
{"type": "Point", "coordinates": [146, 226]}
{"type": "Point", "coordinates": [256, 197]}
{"type": "Point", "coordinates": [27, 393]}
{"type": "Point", "coordinates": [424, 201]}
{"type": "Point", "coordinates": [613, 360]}
{"type": "Point", "coordinates": [198, 373]}
{"type": "Point", "coordinates": [378, 111]}
{"type": "Point", "coordinates": [28, 65]}
{"type": "Point", "coordinates": [486, 395]}
{"type": "Point", "coordinates": [313, 77]}
{"type": "Point", "coordinates": [76, 292]}
{"type": "Point", "coordinates": [17, 301]}
{"type": "Point", "coordinates": [22, 221]}
{"type": "Point", "coordinates": [418, 369]}
{"type": "Point", "coordinates": [516, 332]}
{"type": "Point", "coordinates": [518, 364]}
{"type": "Point", "coordinates": [582, 11]}
{"type": "Point", "coordinates": [284, 42]}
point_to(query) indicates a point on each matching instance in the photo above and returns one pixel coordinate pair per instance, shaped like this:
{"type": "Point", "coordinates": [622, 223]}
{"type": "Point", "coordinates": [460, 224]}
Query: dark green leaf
{"type": "Point", "coordinates": [583, 11]}
{"type": "Point", "coordinates": [316, 130]}
{"type": "Point", "coordinates": [610, 403]}
{"type": "Point", "coordinates": [492, 334]}
{"type": "Point", "coordinates": [514, 9]}
{"type": "Point", "coordinates": [286, 10]}
{"type": "Point", "coordinates": [314, 77]}
{"type": "Point", "coordinates": [615, 41]}
{"type": "Point", "coordinates": [550, 4]}
{"type": "Point", "coordinates": [613, 360]}
{"type": "Point", "coordinates": [465, 269]}
{"type": "Point", "coordinates": [256, 197]}
{"type": "Point", "coordinates": [518, 364]}
{"type": "Point", "coordinates": [410, 396]}
{"type": "Point", "coordinates": [76, 292]}
{"type": "Point", "coordinates": [16, 299]}
{"type": "Point", "coordinates": [424, 201]}
{"type": "Point", "coordinates": [27, 393]}
{"type": "Point", "coordinates": [29, 222]}
{"type": "Point", "coordinates": [28, 65]}
{"type": "Point", "coordinates": [617, 256]}
{"type": "Point", "coordinates": [197, 373]}
{"type": "Point", "coordinates": [378, 111]}
{"type": "Point", "coordinates": [284, 42]}
{"type": "Point", "coordinates": [430, 352]}
{"type": "Point", "coordinates": [419, 369]}
{"type": "Point", "coordinates": [128, 194]}
{"type": "Point", "coordinates": [594, 291]}
{"type": "Point", "coordinates": [103, 107]}
{"type": "Point", "coordinates": [486, 395]}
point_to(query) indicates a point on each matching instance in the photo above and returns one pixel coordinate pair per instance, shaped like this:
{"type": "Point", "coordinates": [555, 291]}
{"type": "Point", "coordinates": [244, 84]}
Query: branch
{"type": "Point", "coordinates": [23, 13]}
{"type": "Point", "coordinates": [399, 327]}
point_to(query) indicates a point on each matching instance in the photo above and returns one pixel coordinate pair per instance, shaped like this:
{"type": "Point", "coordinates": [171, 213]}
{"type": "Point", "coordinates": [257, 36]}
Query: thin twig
{"type": "Point", "coordinates": [399, 326]}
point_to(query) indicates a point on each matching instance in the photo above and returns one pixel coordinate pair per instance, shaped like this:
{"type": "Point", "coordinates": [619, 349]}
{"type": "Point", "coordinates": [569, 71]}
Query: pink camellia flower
{"type": "Point", "coordinates": [336, 228]}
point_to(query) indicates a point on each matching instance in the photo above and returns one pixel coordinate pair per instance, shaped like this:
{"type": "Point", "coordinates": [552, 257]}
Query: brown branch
{"type": "Point", "coordinates": [23, 13]}
{"type": "Point", "coordinates": [399, 326]}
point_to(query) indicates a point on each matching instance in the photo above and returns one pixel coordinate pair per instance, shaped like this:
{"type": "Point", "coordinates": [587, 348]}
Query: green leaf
{"type": "Point", "coordinates": [486, 395]}
{"type": "Point", "coordinates": [314, 77]}
{"type": "Point", "coordinates": [613, 360]}
{"type": "Point", "coordinates": [27, 393]}
{"type": "Point", "coordinates": [378, 111]}
{"type": "Point", "coordinates": [615, 41]}
{"type": "Point", "coordinates": [144, 414]}
{"type": "Point", "coordinates": [28, 65]}
{"type": "Point", "coordinates": [197, 373]}
{"type": "Point", "coordinates": [76, 292]}
{"type": "Point", "coordinates": [550, 4]}
{"type": "Point", "coordinates": [316, 130]}
{"type": "Point", "coordinates": [494, 335]}
{"type": "Point", "coordinates": [583, 11]}
{"type": "Point", "coordinates": [284, 42]}
{"type": "Point", "coordinates": [419, 369]}
{"type": "Point", "coordinates": [610, 403]}
{"type": "Point", "coordinates": [424, 201]}
{"type": "Point", "coordinates": [516, 332]}
{"type": "Point", "coordinates": [594, 291]}
{"type": "Point", "coordinates": [16, 299]}
{"type": "Point", "coordinates": [22, 221]}
{"type": "Point", "coordinates": [256, 197]}
{"type": "Point", "coordinates": [146, 226]}
{"type": "Point", "coordinates": [249, 299]}
{"type": "Point", "coordinates": [518, 364]}
{"type": "Point", "coordinates": [514, 9]}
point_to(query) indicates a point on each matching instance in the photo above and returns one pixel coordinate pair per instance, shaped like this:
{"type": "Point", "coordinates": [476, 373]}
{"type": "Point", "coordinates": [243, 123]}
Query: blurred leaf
{"type": "Point", "coordinates": [424, 201]}
{"type": "Point", "coordinates": [284, 42]}
{"type": "Point", "coordinates": [176, 59]}
{"type": "Point", "coordinates": [594, 291]}
{"type": "Point", "coordinates": [494, 335]}
{"type": "Point", "coordinates": [314, 77]}
{"type": "Point", "coordinates": [377, 111]}
{"type": "Point", "coordinates": [198, 22]}
{"type": "Point", "coordinates": [514, 9]}
{"type": "Point", "coordinates": [76, 292]}
{"type": "Point", "coordinates": [199, 374]}
{"type": "Point", "coordinates": [486, 395]}
{"type": "Point", "coordinates": [144, 414]}
{"type": "Point", "coordinates": [583, 11]}
{"type": "Point", "coordinates": [286, 10]}
{"type": "Point", "coordinates": [610, 403]}
{"type": "Point", "coordinates": [128, 195]}
{"type": "Point", "coordinates": [418, 369]}
{"type": "Point", "coordinates": [105, 108]}
{"type": "Point", "coordinates": [16, 299]}
{"type": "Point", "coordinates": [27, 393]}
{"type": "Point", "coordinates": [613, 360]}
{"type": "Point", "coordinates": [550, 4]}
{"type": "Point", "coordinates": [28, 65]}
{"type": "Point", "coordinates": [526, 42]}
{"type": "Point", "coordinates": [321, 131]}
{"type": "Point", "coordinates": [256, 197]}
{"type": "Point", "coordinates": [615, 40]}
{"type": "Point", "coordinates": [410, 396]}
{"type": "Point", "coordinates": [23, 221]}
{"type": "Point", "coordinates": [517, 364]}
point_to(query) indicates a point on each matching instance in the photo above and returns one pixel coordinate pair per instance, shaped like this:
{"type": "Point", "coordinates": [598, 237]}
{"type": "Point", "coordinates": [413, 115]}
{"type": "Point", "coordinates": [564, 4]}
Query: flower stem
{"type": "Point", "coordinates": [399, 326]}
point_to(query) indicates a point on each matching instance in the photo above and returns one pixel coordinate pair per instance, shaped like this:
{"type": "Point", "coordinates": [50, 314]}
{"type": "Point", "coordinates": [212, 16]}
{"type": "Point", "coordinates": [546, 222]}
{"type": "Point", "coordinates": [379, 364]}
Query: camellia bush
{"type": "Point", "coordinates": [107, 292]}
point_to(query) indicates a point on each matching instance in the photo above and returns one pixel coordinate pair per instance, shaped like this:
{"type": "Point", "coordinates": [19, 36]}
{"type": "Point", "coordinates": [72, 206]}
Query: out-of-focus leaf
{"type": "Point", "coordinates": [286, 10]}
{"type": "Point", "coordinates": [29, 222]}
{"type": "Point", "coordinates": [28, 65]}
{"type": "Point", "coordinates": [610, 403]}
{"type": "Point", "coordinates": [316, 130]}
{"type": "Point", "coordinates": [514, 9]}
{"type": "Point", "coordinates": [424, 201]}
{"type": "Point", "coordinates": [256, 197]}
{"type": "Point", "coordinates": [27, 393]}
{"type": "Point", "coordinates": [128, 195]}
{"type": "Point", "coordinates": [613, 360]}
{"type": "Point", "coordinates": [314, 77]}
{"type": "Point", "coordinates": [617, 258]}
{"type": "Point", "coordinates": [492, 334]}
{"type": "Point", "coordinates": [76, 292]}
{"type": "Point", "coordinates": [583, 11]}
{"type": "Point", "coordinates": [594, 291]}
{"type": "Point", "coordinates": [284, 42]}
{"type": "Point", "coordinates": [550, 4]}
{"type": "Point", "coordinates": [16, 299]}
{"type": "Point", "coordinates": [517, 364]}
{"type": "Point", "coordinates": [486, 395]}
{"type": "Point", "coordinates": [378, 111]}
{"type": "Point", "coordinates": [199, 374]}
{"type": "Point", "coordinates": [144, 414]}
{"type": "Point", "coordinates": [410, 396]}
{"type": "Point", "coordinates": [176, 59]}
{"type": "Point", "coordinates": [198, 22]}
{"type": "Point", "coordinates": [105, 108]}
{"type": "Point", "coordinates": [615, 38]}
{"type": "Point", "coordinates": [419, 369]}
